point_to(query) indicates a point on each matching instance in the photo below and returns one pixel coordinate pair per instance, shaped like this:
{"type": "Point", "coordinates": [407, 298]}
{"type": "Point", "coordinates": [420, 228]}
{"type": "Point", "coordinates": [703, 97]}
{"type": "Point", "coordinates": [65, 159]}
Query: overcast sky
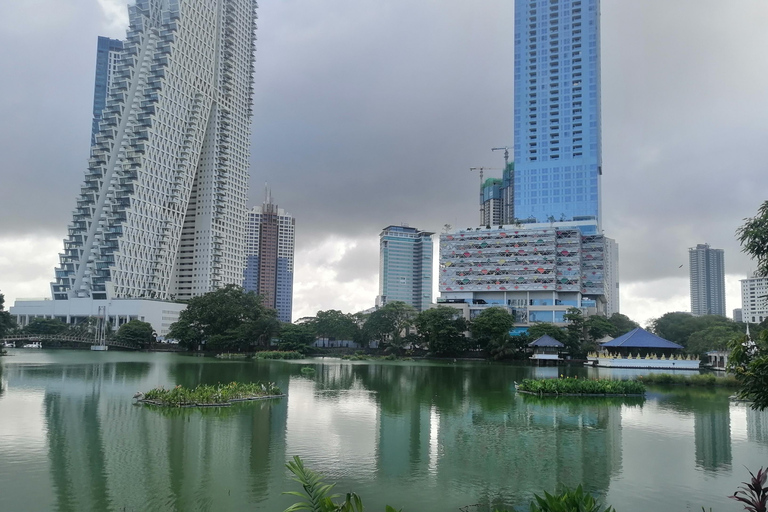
{"type": "Point", "coordinates": [370, 112]}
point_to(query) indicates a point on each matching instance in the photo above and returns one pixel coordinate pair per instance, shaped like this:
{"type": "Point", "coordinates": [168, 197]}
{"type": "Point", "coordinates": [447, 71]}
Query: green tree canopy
{"type": "Point", "coordinates": [441, 329]}
{"type": "Point", "coordinates": [598, 327]}
{"type": "Point", "coordinates": [491, 327]}
{"type": "Point", "coordinates": [753, 236]}
{"type": "Point", "coordinates": [44, 326]}
{"type": "Point", "coordinates": [749, 362]}
{"type": "Point", "coordinates": [622, 324]}
{"type": "Point", "coordinates": [136, 333]}
{"type": "Point", "coordinates": [226, 319]}
{"type": "Point", "coordinates": [716, 337]}
{"type": "Point", "coordinates": [390, 323]}
{"type": "Point", "coordinates": [296, 336]}
{"type": "Point", "coordinates": [6, 320]}
{"type": "Point", "coordinates": [539, 329]}
{"type": "Point", "coordinates": [334, 324]}
{"type": "Point", "coordinates": [678, 327]}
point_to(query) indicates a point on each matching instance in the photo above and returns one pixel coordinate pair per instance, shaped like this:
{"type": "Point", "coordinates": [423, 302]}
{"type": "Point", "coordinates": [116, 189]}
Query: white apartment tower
{"type": "Point", "coordinates": [162, 209]}
{"type": "Point", "coordinates": [754, 299]}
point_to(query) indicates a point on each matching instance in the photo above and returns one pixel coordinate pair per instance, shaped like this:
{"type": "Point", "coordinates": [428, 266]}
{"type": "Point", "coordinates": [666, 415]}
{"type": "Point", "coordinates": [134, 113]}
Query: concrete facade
{"type": "Point", "coordinates": [754, 299]}
{"type": "Point", "coordinates": [405, 267]}
{"type": "Point", "coordinates": [158, 313]}
{"type": "Point", "coordinates": [162, 208]}
{"type": "Point", "coordinates": [269, 256]}
{"type": "Point", "coordinates": [537, 272]}
{"type": "Point", "coordinates": [707, 275]}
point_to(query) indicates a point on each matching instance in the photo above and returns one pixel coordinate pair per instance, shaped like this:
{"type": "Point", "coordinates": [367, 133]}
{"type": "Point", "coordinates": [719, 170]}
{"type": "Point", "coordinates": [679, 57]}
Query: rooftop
{"type": "Point", "coordinates": [640, 338]}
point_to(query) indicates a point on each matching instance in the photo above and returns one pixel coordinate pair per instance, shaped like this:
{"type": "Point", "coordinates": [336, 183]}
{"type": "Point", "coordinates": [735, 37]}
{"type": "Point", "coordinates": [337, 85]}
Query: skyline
{"type": "Point", "coordinates": [426, 88]}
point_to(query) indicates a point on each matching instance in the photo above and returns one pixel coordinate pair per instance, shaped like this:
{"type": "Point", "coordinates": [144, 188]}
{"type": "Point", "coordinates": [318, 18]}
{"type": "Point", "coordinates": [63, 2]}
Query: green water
{"type": "Point", "coordinates": [423, 436]}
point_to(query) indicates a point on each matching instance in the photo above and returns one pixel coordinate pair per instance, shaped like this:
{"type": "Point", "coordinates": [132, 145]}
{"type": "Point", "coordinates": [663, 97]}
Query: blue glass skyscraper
{"type": "Point", "coordinates": [107, 55]}
{"type": "Point", "coordinates": [557, 111]}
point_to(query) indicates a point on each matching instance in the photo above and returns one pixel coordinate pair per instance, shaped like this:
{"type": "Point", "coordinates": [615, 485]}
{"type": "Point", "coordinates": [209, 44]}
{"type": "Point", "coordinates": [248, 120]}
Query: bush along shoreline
{"type": "Point", "coordinates": [581, 387]}
{"type": "Point", "coordinates": [204, 395]}
{"type": "Point", "coordinates": [705, 380]}
{"type": "Point", "coordinates": [279, 354]}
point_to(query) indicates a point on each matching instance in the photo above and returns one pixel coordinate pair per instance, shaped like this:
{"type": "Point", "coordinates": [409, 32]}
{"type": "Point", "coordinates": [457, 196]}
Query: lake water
{"type": "Point", "coordinates": [424, 436]}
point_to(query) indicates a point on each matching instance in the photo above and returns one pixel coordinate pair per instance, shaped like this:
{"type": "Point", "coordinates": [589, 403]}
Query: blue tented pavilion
{"type": "Point", "coordinates": [547, 348]}
{"type": "Point", "coordinates": [639, 341]}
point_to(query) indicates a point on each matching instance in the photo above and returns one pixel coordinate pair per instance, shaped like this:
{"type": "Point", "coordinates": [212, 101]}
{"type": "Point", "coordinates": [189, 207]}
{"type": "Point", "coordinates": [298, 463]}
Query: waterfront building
{"type": "Point", "coordinates": [754, 299]}
{"type": "Point", "coordinates": [641, 349]}
{"type": "Point", "coordinates": [537, 272]}
{"type": "Point", "coordinates": [557, 123]}
{"type": "Point", "coordinates": [161, 314]}
{"type": "Point", "coordinates": [162, 207]}
{"type": "Point", "coordinates": [546, 348]}
{"type": "Point", "coordinates": [161, 211]}
{"type": "Point", "coordinates": [269, 256]}
{"type": "Point", "coordinates": [405, 267]}
{"type": "Point", "coordinates": [707, 275]}
{"type": "Point", "coordinates": [107, 57]}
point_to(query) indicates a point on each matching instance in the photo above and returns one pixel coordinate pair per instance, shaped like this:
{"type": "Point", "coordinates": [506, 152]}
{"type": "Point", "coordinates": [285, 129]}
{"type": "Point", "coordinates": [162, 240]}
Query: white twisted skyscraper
{"type": "Point", "coordinates": [162, 211]}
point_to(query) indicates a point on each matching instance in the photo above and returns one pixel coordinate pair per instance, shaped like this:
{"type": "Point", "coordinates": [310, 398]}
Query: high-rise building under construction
{"type": "Point", "coordinates": [162, 209]}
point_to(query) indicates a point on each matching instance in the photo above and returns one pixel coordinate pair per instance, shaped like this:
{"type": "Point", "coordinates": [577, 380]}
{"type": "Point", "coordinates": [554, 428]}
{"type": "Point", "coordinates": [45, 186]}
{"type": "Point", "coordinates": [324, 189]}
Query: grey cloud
{"type": "Point", "coordinates": [369, 113]}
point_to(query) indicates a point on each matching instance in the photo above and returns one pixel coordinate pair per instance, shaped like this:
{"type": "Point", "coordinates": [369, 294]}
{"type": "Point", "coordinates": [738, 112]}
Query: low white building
{"type": "Point", "coordinates": [160, 314]}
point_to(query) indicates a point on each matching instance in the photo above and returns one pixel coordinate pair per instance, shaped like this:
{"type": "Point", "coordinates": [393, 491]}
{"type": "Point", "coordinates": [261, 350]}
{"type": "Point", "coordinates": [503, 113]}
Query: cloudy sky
{"type": "Point", "coordinates": [370, 113]}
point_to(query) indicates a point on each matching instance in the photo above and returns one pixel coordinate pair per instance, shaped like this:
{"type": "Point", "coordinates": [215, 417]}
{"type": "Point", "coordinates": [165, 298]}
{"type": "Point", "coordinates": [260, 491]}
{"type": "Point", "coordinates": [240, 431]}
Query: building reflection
{"type": "Point", "coordinates": [106, 453]}
{"type": "Point", "coordinates": [757, 425]}
{"type": "Point", "coordinates": [712, 434]}
{"type": "Point", "coordinates": [452, 425]}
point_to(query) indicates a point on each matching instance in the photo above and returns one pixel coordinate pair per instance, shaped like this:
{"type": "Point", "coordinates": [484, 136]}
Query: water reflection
{"type": "Point", "coordinates": [710, 409]}
{"type": "Point", "coordinates": [425, 436]}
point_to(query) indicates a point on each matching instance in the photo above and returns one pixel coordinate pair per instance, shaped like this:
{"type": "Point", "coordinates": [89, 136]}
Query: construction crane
{"type": "Point", "coordinates": [481, 169]}
{"type": "Point", "coordinates": [506, 153]}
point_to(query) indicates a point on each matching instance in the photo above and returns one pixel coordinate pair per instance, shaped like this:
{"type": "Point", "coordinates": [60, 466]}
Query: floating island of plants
{"type": "Point", "coordinates": [581, 387]}
{"type": "Point", "coordinates": [204, 395]}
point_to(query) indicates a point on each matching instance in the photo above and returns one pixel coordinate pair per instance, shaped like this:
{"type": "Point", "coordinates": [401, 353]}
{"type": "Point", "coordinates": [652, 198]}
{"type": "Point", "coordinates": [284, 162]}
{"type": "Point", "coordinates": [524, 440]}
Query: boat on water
{"type": "Point", "coordinates": [34, 344]}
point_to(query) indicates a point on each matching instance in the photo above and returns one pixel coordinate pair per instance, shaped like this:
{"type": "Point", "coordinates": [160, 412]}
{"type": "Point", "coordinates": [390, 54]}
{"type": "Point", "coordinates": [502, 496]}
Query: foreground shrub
{"type": "Point", "coordinates": [754, 494]}
{"type": "Point", "coordinates": [570, 386]}
{"type": "Point", "coordinates": [570, 500]}
{"type": "Point", "coordinates": [317, 493]}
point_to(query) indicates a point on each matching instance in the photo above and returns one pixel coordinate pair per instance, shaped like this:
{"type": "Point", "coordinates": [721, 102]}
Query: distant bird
{"type": "Point", "coordinates": [138, 395]}
{"type": "Point", "coordinates": [680, 266]}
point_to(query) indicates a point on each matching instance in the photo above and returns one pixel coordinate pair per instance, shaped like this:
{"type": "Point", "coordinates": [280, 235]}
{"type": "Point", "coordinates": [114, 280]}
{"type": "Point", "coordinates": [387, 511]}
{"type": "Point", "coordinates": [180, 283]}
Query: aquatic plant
{"type": "Point", "coordinates": [574, 386]}
{"type": "Point", "coordinates": [279, 354]}
{"type": "Point", "coordinates": [205, 394]}
{"type": "Point", "coordinates": [359, 356]}
{"type": "Point", "coordinates": [317, 493]}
